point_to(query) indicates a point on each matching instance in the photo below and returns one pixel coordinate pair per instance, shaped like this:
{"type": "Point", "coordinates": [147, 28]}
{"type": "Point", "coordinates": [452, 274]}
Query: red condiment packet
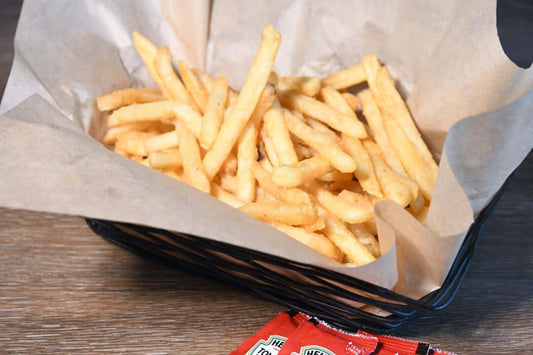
{"type": "Point", "coordinates": [271, 337]}
{"type": "Point", "coordinates": [389, 345]}
{"type": "Point", "coordinates": [310, 339]}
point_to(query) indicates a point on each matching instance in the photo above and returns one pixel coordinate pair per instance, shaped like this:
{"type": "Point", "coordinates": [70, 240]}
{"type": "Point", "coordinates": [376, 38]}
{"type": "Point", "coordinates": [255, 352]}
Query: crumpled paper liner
{"type": "Point", "coordinates": [445, 57]}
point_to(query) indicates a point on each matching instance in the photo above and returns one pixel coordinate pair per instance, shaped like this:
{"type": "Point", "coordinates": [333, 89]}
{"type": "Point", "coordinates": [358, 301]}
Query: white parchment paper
{"type": "Point", "coordinates": [444, 55]}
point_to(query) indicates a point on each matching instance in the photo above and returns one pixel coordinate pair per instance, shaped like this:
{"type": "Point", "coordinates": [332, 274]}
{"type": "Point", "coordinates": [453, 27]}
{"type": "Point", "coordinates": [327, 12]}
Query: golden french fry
{"type": "Point", "coordinates": [209, 83]}
{"type": "Point", "coordinates": [268, 146]}
{"type": "Point", "coordinates": [148, 52]}
{"type": "Point", "coordinates": [365, 169]}
{"type": "Point", "coordinates": [375, 122]}
{"type": "Point", "coordinates": [366, 238]}
{"type": "Point", "coordinates": [132, 142]}
{"type": "Point", "coordinates": [230, 165]}
{"type": "Point", "coordinates": [322, 112]}
{"type": "Point", "coordinates": [278, 133]}
{"type": "Point", "coordinates": [247, 100]}
{"type": "Point", "coordinates": [226, 196]}
{"type": "Point", "coordinates": [322, 128]}
{"type": "Point", "coordinates": [290, 195]}
{"type": "Point", "coordinates": [275, 211]}
{"type": "Point", "coordinates": [247, 146]}
{"type": "Point", "coordinates": [315, 241]}
{"type": "Point", "coordinates": [335, 175]}
{"type": "Point", "coordinates": [194, 85]}
{"type": "Point", "coordinates": [417, 204]}
{"type": "Point", "coordinates": [341, 236]}
{"type": "Point", "coordinates": [161, 142]}
{"type": "Point", "coordinates": [395, 107]}
{"type": "Point", "coordinates": [394, 186]}
{"type": "Point", "coordinates": [111, 135]}
{"type": "Point", "coordinates": [307, 85]}
{"type": "Point", "coordinates": [345, 211]}
{"type": "Point", "coordinates": [124, 97]}
{"type": "Point", "coordinates": [351, 100]}
{"type": "Point", "coordinates": [157, 111]}
{"type": "Point", "coordinates": [322, 143]}
{"type": "Point", "coordinates": [336, 101]}
{"type": "Point", "coordinates": [168, 159]}
{"type": "Point", "coordinates": [214, 112]}
{"type": "Point", "coordinates": [228, 182]}
{"type": "Point", "coordinates": [192, 161]}
{"type": "Point", "coordinates": [172, 84]}
{"type": "Point", "coordinates": [345, 78]}
{"type": "Point", "coordinates": [305, 170]}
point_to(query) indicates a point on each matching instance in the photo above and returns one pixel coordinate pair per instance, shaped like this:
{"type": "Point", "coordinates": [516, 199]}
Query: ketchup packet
{"type": "Point", "coordinates": [272, 336]}
{"type": "Point", "coordinates": [388, 345]}
{"type": "Point", "coordinates": [315, 339]}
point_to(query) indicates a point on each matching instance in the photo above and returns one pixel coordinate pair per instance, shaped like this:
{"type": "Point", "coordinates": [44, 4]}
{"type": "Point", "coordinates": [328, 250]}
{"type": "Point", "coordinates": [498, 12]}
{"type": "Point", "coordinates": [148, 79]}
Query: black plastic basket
{"type": "Point", "coordinates": [331, 296]}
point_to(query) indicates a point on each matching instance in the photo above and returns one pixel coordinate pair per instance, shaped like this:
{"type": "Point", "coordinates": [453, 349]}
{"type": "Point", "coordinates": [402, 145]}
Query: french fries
{"type": "Point", "coordinates": [288, 151]}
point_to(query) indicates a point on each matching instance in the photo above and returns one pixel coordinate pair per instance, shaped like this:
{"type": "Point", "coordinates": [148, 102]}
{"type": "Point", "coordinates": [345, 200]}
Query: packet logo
{"type": "Point", "coordinates": [313, 350]}
{"type": "Point", "coordinates": [271, 346]}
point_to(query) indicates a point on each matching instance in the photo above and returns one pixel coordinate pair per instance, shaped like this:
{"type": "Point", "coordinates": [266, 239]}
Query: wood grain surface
{"type": "Point", "coordinates": [63, 289]}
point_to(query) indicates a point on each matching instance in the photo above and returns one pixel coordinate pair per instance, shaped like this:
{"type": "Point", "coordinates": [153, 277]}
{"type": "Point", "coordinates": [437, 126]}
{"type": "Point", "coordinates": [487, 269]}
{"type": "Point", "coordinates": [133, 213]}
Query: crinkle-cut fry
{"type": "Point", "coordinates": [172, 84]}
{"type": "Point", "coordinates": [365, 169]}
{"type": "Point", "coordinates": [268, 146]}
{"type": "Point", "coordinates": [305, 170]}
{"type": "Point", "coordinates": [322, 143]}
{"type": "Point", "coordinates": [322, 112]}
{"type": "Point", "coordinates": [290, 195]}
{"type": "Point", "coordinates": [366, 238]}
{"type": "Point", "coordinates": [341, 236]}
{"type": "Point", "coordinates": [315, 241]}
{"type": "Point", "coordinates": [124, 97]}
{"type": "Point", "coordinates": [377, 128]}
{"type": "Point", "coordinates": [161, 142]}
{"type": "Point", "coordinates": [345, 211]}
{"type": "Point", "coordinates": [247, 146]}
{"type": "Point", "coordinates": [168, 159]}
{"type": "Point", "coordinates": [193, 85]}
{"type": "Point", "coordinates": [351, 100]}
{"type": "Point", "coordinates": [294, 214]}
{"type": "Point", "coordinates": [214, 112]}
{"type": "Point", "coordinates": [307, 85]}
{"type": "Point", "coordinates": [132, 142]}
{"type": "Point", "coordinates": [395, 107]}
{"type": "Point", "coordinates": [112, 133]}
{"type": "Point", "coordinates": [192, 161]}
{"type": "Point", "coordinates": [246, 101]}
{"type": "Point", "coordinates": [345, 78]}
{"type": "Point", "coordinates": [279, 135]}
{"type": "Point", "coordinates": [226, 196]}
{"type": "Point", "coordinates": [148, 52]}
{"type": "Point", "coordinates": [393, 185]}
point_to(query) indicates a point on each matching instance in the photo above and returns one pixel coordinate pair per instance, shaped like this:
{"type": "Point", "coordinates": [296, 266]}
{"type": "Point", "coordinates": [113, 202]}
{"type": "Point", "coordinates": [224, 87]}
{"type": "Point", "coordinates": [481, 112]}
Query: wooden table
{"type": "Point", "coordinates": [65, 290]}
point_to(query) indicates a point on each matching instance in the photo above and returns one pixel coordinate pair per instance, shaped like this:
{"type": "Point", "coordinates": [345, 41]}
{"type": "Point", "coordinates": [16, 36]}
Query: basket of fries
{"type": "Point", "coordinates": [327, 192]}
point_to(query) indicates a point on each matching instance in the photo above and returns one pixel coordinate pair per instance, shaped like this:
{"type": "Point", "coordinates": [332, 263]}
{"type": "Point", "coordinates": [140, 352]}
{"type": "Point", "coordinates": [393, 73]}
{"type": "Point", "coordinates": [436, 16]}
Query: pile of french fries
{"type": "Point", "coordinates": [309, 156]}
